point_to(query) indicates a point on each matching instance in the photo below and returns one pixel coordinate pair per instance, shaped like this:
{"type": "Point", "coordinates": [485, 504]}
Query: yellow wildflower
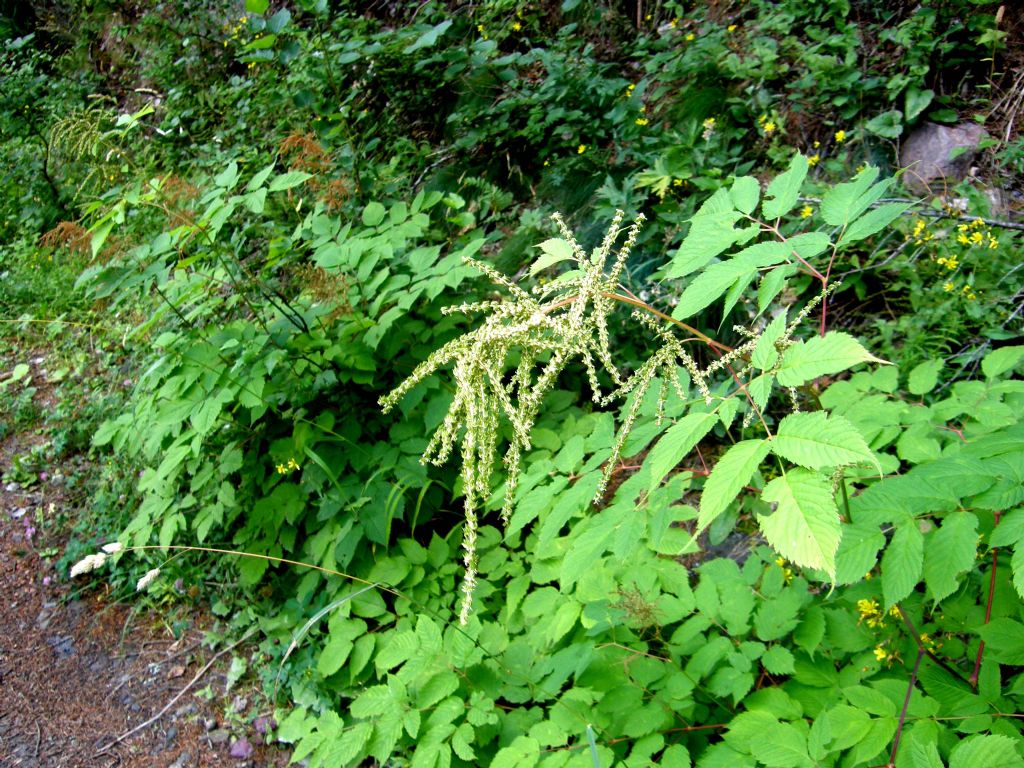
{"type": "Point", "coordinates": [840, 137]}
{"type": "Point", "coordinates": [880, 653]}
{"type": "Point", "coordinates": [963, 239]}
{"type": "Point", "coordinates": [731, 28]}
{"type": "Point", "coordinates": [516, 26]}
{"type": "Point", "coordinates": [641, 121]}
{"type": "Point", "coordinates": [813, 160]}
{"type": "Point", "coordinates": [806, 211]}
{"type": "Point", "coordinates": [581, 149]}
{"type": "Point", "coordinates": [977, 237]}
{"type": "Point", "coordinates": [947, 286]}
{"type": "Point", "coordinates": [677, 182]}
{"type": "Point", "coordinates": [690, 37]}
{"type": "Point", "coordinates": [768, 128]}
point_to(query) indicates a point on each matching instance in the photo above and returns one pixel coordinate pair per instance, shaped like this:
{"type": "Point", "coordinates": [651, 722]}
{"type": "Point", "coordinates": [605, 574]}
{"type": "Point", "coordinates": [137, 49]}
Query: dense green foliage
{"type": "Point", "coordinates": [691, 533]}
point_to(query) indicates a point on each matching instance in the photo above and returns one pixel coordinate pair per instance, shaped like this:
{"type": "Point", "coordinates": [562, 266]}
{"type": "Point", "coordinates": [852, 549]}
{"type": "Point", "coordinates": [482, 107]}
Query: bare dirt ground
{"type": "Point", "coordinates": [76, 674]}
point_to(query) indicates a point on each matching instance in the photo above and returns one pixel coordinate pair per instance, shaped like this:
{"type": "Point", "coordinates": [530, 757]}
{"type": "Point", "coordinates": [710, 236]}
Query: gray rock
{"type": "Point", "coordinates": [926, 156]}
{"type": "Point", "coordinates": [184, 761]}
{"type": "Point", "coordinates": [219, 736]}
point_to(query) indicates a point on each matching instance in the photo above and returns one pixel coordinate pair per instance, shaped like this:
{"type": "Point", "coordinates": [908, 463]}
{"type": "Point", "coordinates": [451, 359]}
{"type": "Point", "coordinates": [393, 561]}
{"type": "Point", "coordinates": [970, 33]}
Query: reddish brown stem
{"type": "Point", "coordinates": [906, 705]}
{"type": "Point", "coordinates": [988, 609]}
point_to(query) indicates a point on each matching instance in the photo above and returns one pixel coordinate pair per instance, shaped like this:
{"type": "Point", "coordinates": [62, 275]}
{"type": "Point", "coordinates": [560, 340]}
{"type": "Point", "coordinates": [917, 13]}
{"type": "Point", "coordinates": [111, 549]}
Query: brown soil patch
{"type": "Point", "coordinates": [75, 674]}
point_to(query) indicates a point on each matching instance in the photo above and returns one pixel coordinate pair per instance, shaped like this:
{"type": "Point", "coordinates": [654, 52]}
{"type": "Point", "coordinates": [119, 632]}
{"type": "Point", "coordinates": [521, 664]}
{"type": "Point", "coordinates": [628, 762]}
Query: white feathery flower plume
{"type": "Point", "coordinates": [148, 578]}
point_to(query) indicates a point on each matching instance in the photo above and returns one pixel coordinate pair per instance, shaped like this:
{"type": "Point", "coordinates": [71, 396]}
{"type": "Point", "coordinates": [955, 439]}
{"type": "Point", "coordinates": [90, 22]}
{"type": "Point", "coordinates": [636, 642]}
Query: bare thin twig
{"type": "Point", "coordinates": [178, 695]}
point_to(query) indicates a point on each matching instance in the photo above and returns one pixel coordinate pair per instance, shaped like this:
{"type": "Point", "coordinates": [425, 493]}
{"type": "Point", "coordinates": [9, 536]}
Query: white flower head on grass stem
{"type": "Point", "coordinates": [113, 547]}
{"type": "Point", "coordinates": [148, 578]}
{"type": "Point", "coordinates": [88, 563]}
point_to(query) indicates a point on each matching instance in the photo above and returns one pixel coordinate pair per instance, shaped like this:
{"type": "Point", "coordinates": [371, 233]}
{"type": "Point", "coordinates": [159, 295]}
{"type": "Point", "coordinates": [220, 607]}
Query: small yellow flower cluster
{"type": "Point", "coordinates": [629, 89]}
{"type": "Point", "coordinates": [581, 149]}
{"type": "Point", "coordinates": [806, 212]}
{"type": "Point", "coordinates": [871, 613]}
{"type": "Point", "coordinates": [976, 233]}
{"type": "Point", "coordinates": [787, 573]}
{"type": "Point", "coordinates": [813, 160]}
{"type": "Point", "coordinates": [284, 469]}
{"type": "Point", "coordinates": [709, 128]}
{"type": "Point", "coordinates": [949, 262]}
{"type": "Point", "coordinates": [767, 126]}
{"type": "Point", "coordinates": [516, 26]}
{"type": "Point", "coordinates": [920, 234]}
{"type": "Point", "coordinates": [236, 30]}
{"type": "Point", "coordinates": [731, 28]}
{"type": "Point", "coordinates": [482, 30]}
{"type": "Point", "coordinates": [884, 656]}
{"type": "Point", "coordinates": [968, 292]}
{"type": "Point", "coordinates": [840, 136]}
{"type": "Point", "coordinates": [929, 643]}
{"type": "Point", "coordinates": [674, 23]}
{"type": "Point", "coordinates": [641, 121]}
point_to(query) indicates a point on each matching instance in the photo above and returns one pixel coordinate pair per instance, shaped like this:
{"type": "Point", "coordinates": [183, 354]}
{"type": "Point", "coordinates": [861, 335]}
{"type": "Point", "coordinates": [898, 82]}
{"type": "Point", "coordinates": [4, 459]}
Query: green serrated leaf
{"type": "Point", "coordinates": [778, 660]}
{"type": "Point", "coordinates": [781, 746]}
{"type": "Point", "coordinates": [804, 526]}
{"type": "Point", "coordinates": [430, 37]}
{"type": "Point", "coordinates": [991, 751]}
{"type": "Point", "coordinates": [772, 284]}
{"type": "Point", "coordinates": [1017, 567]}
{"type": "Point", "coordinates": [373, 214]}
{"type": "Point", "coordinates": [260, 178]}
{"type": "Point", "coordinates": [784, 190]}
{"type": "Point", "coordinates": [924, 377]}
{"type": "Point", "coordinates": [872, 222]}
{"type": "Point", "coordinates": [714, 281]}
{"type": "Point", "coordinates": [845, 202]}
{"type": "Point", "coordinates": [950, 551]}
{"type": "Point", "coordinates": [675, 444]}
{"type": "Point", "coordinates": [902, 563]}
{"type": "Point", "coordinates": [1004, 640]}
{"type": "Point", "coordinates": [554, 250]}
{"type": "Point", "coordinates": [820, 356]}
{"type": "Point", "coordinates": [288, 180]}
{"type": "Point", "coordinates": [745, 192]}
{"type": "Point", "coordinates": [817, 440]}
{"type": "Point", "coordinates": [1001, 360]}
{"type": "Point", "coordinates": [732, 472]}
